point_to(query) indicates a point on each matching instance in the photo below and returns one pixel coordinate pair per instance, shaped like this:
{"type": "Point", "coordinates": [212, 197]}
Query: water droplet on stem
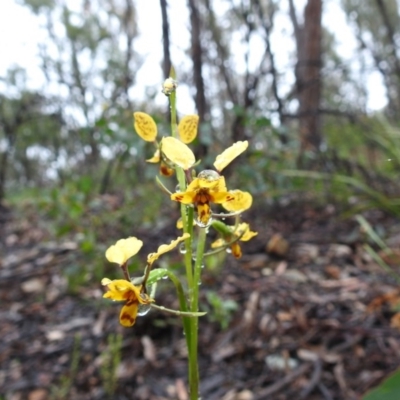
{"type": "Point", "coordinates": [182, 248]}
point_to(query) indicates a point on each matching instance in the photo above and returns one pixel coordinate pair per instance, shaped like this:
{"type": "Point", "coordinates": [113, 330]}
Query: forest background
{"type": "Point", "coordinates": [314, 86]}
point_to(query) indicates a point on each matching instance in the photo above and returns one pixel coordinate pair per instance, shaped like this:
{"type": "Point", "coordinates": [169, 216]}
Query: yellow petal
{"type": "Point", "coordinates": [239, 201]}
{"type": "Point", "coordinates": [184, 197]}
{"type": "Point", "coordinates": [128, 314]}
{"type": "Point", "coordinates": [215, 183]}
{"type": "Point", "coordinates": [145, 126]}
{"type": "Point", "coordinates": [116, 255]}
{"type": "Point", "coordinates": [177, 152]}
{"type": "Point", "coordinates": [193, 186]}
{"type": "Point", "coordinates": [221, 185]}
{"type": "Point", "coordinates": [120, 289]}
{"type": "Point", "coordinates": [187, 128]}
{"type": "Point", "coordinates": [221, 197]}
{"type": "Point", "coordinates": [204, 213]}
{"type": "Point", "coordinates": [248, 235]}
{"type": "Point", "coordinates": [236, 250]}
{"type": "Point", "coordinates": [106, 281]}
{"type": "Point", "coordinates": [241, 228]}
{"type": "Point", "coordinates": [230, 154]}
{"type": "Point", "coordinates": [218, 243]}
{"type": "Point", "coordinates": [179, 224]}
{"type": "Point", "coordinates": [244, 233]}
{"type": "Point", "coordinates": [210, 179]}
{"type": "Point", "coordinates": [123, 250]}
{"type": "Point", "coordinates": [166, 247]}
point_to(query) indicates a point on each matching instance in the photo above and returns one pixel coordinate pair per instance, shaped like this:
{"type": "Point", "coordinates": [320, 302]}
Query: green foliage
{"type": "Point", "coordinates": [359, 168]}
{"type": "Point", "coordinates": [76, 213]}
{"type": "Point", "coordinates": [387, 390]}
{"type": "Point", "coordinates": [62, 390]}
{"type": "Point", "coordinates": [110, 360]}
{"type": "Point", "coordinates": [221, 311]}
{"type": "Point", "coordinates": [27, 142]}
{"type": "Point", "coordinates": [377, 240]}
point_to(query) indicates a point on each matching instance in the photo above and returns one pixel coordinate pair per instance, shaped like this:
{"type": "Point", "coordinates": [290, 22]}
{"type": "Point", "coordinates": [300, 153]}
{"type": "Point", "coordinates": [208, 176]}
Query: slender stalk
{"type": "Point", "coordinates": [190, 324]}
{"type": "Point", "coordinates": [194, 322]}
{"type": "Point", "coordinates": [182, 304]}
{"type": "Point", "coordinates": [172, 102]}
{"type": "Point", "coordinates": [124, 268]}
{"type": "Point", "coordinates": [187, 222]}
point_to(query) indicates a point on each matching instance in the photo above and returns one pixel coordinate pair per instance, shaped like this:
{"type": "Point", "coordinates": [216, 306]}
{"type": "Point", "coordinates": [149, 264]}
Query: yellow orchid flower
{"type": "Point", "coordinates": [208, 187]}
{"type": "Point", "coordinates": [241, 232]}
{"type": "Point", "coordinates": [123, 290]}
{"type": "Point", "coordinates": [123, 250]}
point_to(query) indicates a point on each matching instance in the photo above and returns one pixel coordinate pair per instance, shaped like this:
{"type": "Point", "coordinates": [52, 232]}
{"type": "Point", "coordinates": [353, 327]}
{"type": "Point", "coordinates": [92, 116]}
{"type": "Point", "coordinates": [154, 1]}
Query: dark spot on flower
{"type": "Point", "coordinates": [127, 317]}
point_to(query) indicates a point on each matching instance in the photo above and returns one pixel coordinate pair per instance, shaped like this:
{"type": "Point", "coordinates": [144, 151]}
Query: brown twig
{"type": "Point", "coordinates": [275, 387]}
{"type": "Point", "coordinates": [315, 379]}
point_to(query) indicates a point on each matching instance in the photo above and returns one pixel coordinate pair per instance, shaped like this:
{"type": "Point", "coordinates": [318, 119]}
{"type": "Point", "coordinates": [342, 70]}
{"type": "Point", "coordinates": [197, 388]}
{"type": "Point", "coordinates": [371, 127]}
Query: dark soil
{"type": "Point", "coordinates": [316, 321]}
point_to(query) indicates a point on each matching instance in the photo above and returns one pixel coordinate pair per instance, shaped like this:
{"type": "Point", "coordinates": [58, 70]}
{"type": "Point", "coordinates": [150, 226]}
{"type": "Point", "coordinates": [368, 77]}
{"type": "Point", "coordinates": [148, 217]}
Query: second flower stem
{"type": "Point", "coordinates": [194, 322]}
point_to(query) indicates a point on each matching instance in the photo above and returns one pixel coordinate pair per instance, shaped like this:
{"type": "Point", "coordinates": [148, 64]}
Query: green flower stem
{"type": "Point", "coordinates": [182, 304]}
{"type": "Point", "coordinates": [178, 312]}
{"type": "Point", "coordinates": [198, 267]}
{"type": "Point", "coordinates": [190, 324]}
{"type": "Point", "coordinates": [172, 102]}
{"type": "Point", "coordinates": [187, 220]}
{"type": "Point", "coordinates": [237, 221]}
{"type": "Point", "coordinates": [188, 227]}
{"type": "Point", "coordinates": [194, 322]}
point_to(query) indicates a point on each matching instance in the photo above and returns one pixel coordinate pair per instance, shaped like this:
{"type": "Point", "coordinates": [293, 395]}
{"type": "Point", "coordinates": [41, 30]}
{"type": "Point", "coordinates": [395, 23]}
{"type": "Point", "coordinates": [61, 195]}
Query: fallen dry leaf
{"type": "Point", "coordinates": [278, 245]}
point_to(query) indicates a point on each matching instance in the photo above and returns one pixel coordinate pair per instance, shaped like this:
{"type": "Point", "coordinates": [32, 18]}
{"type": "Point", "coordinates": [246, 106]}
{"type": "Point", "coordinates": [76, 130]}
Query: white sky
{"type": "Point", "coordinates": [20, 34]}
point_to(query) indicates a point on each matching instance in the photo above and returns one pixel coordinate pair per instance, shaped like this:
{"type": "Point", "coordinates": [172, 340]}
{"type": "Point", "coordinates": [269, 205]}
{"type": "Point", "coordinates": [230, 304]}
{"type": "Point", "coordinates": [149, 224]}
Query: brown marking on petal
{"type": "Point", "coordinates": [127, 295]}
{"type": "Point", "coordinates": [230, 198]}
{"type": "Point", "coordinates": [202, 197]}
{"type": "Point", "coordinates": [165, 170]}
{"type": "Point", "coordinates": [128, 319]}
{"type": "Point", "coordinates": [236, 250]}
{"type": "Point", "coordinates": [204, 212]}
{"type": "Point", "coordinates": [178, 198]}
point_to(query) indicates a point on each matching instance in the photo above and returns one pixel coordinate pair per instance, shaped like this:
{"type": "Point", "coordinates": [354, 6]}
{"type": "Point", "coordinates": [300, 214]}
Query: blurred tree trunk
{"type": "Point", "coordinates": [308, 73]}
{"type": "Point", "coordinates": [392, 85]}
{"type": "Point", "coordinates": [10, 123]}
{"type": "Point", "coordinates": [24, 124]}
{"type": "Point", "coordinates": [10, 138]}
{"type": "Point", "coordinates": [197, 59]}
{"type": "Point", "coordinates": [166, 41]}
{"type": "Point", "coordinates": [377, 24]}
{"type": "Point", "coordinates": [93, 62]}
{"type": "Point", "coordinates": [241, 91]}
